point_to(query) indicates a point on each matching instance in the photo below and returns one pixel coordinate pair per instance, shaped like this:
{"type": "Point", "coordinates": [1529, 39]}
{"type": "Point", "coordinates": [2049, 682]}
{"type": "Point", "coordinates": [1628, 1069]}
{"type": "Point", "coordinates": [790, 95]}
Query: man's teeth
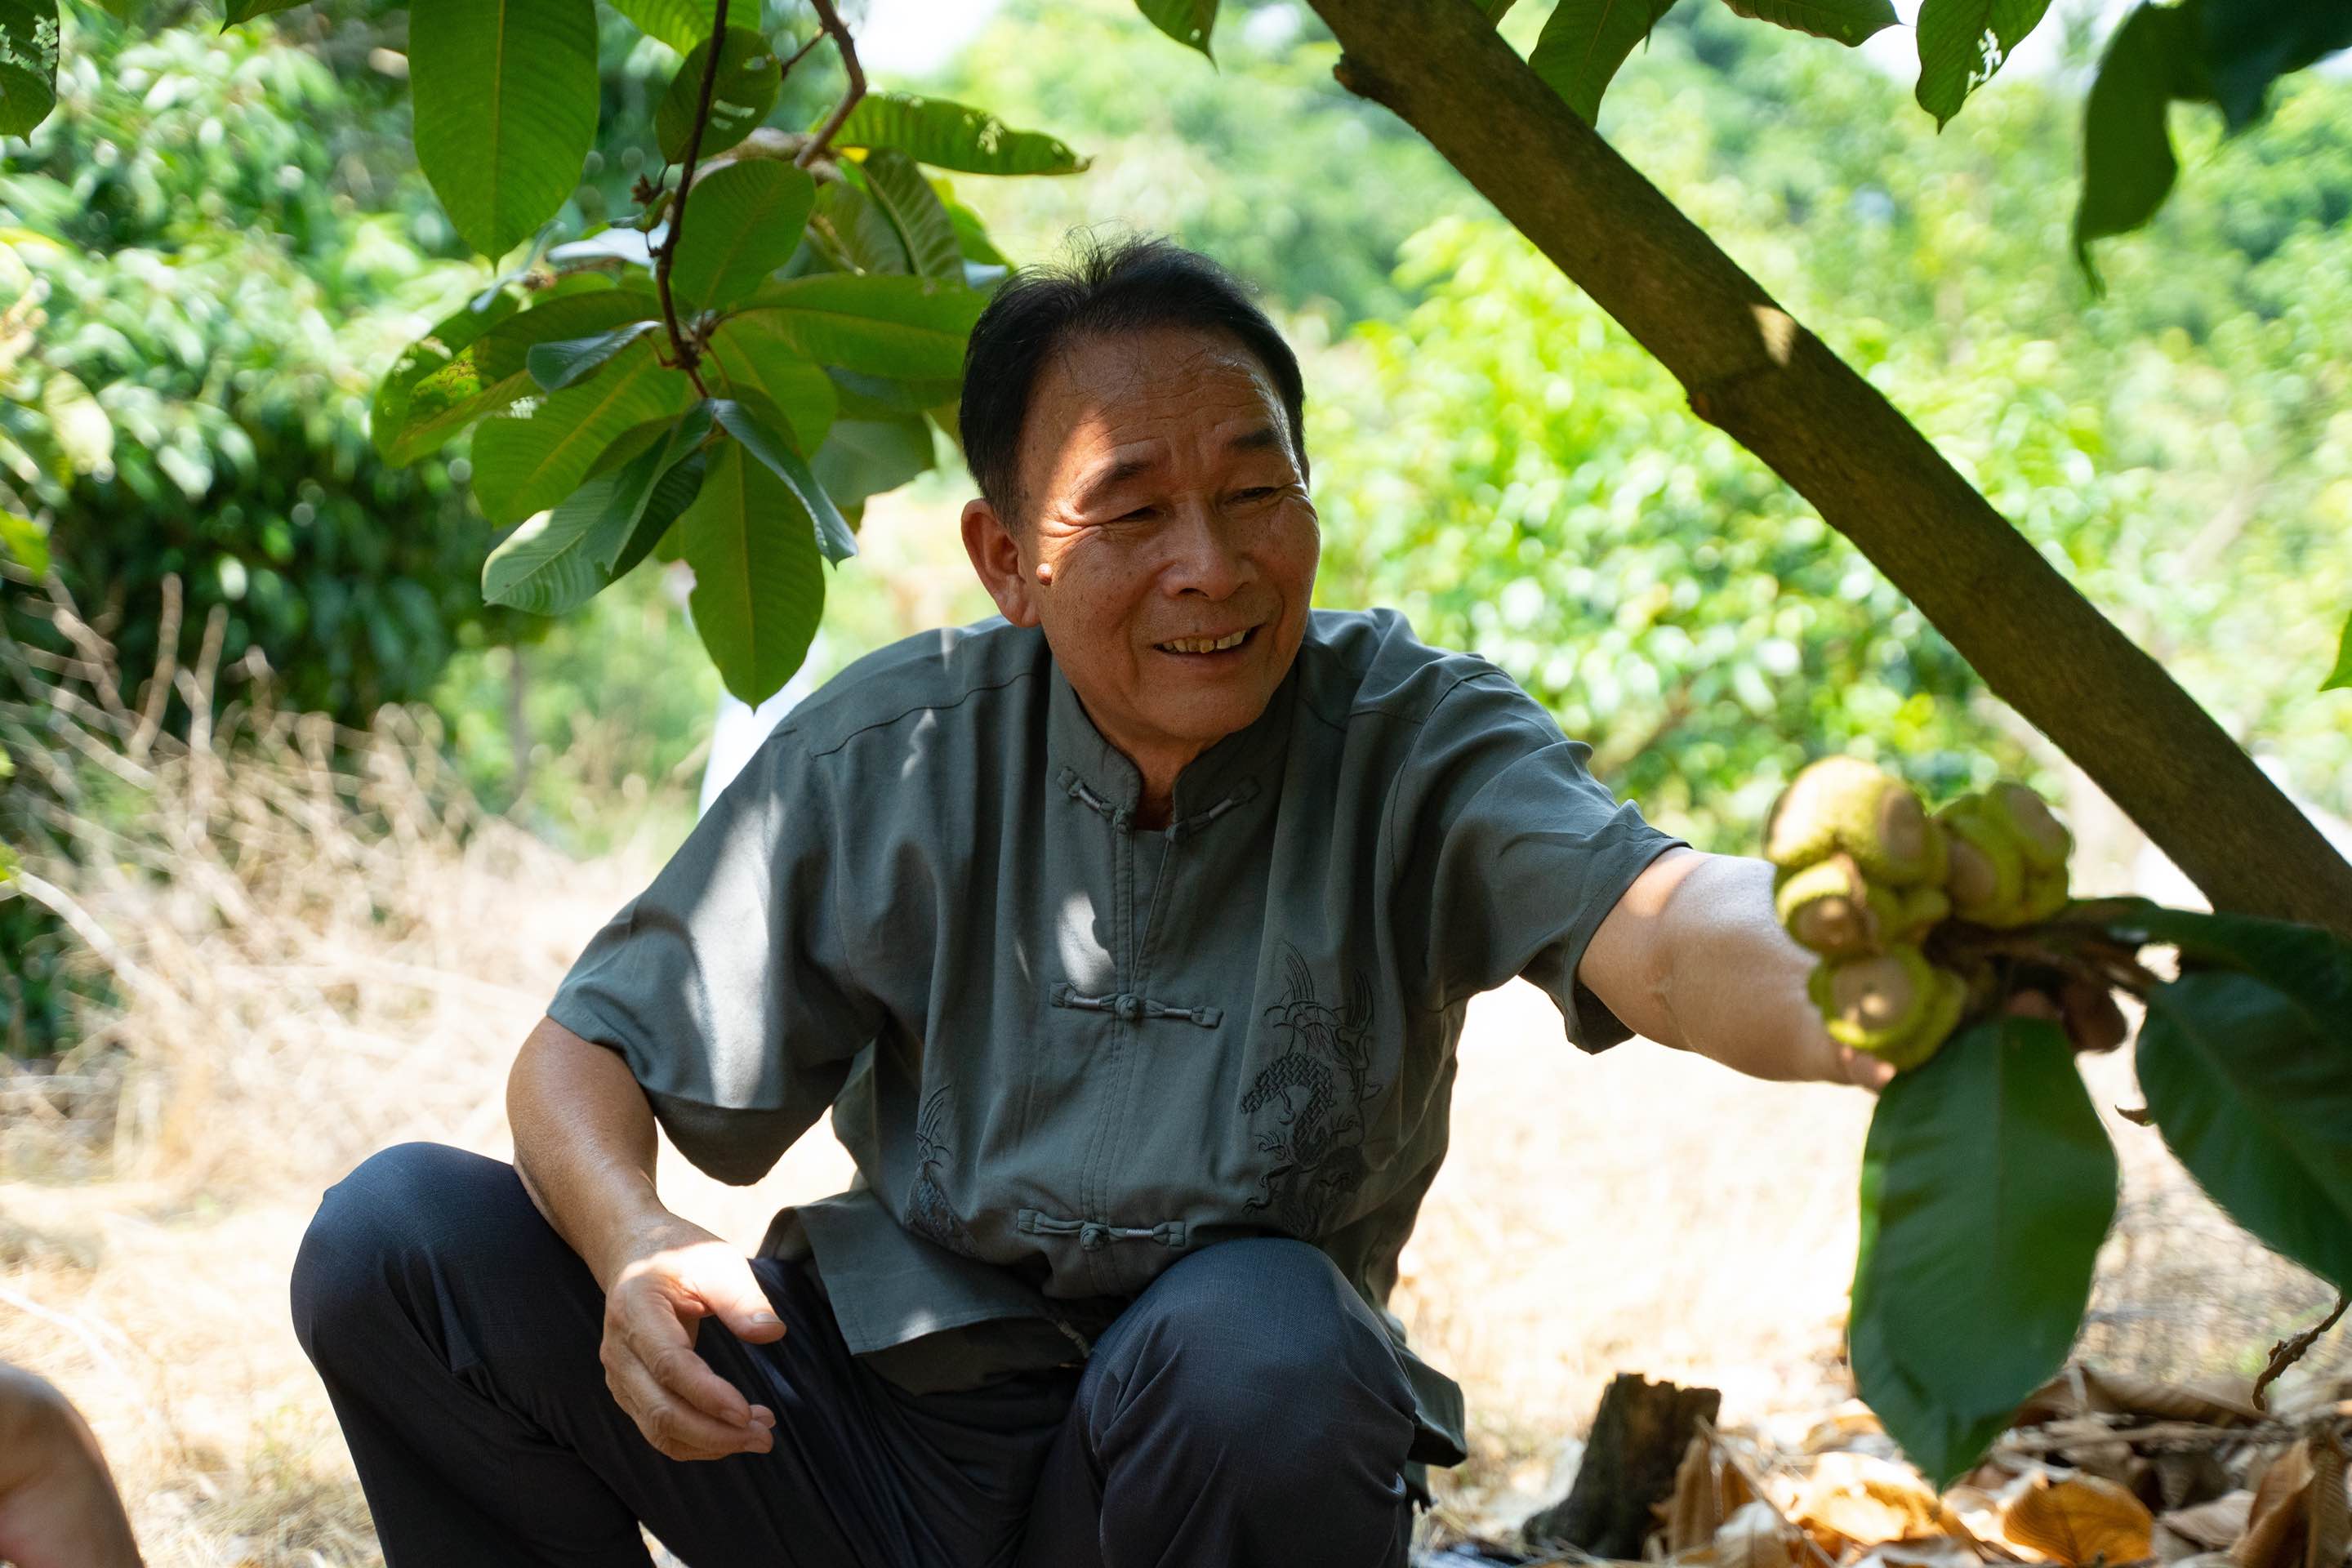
{"type": "Point", "coordinates": [1204, 645]}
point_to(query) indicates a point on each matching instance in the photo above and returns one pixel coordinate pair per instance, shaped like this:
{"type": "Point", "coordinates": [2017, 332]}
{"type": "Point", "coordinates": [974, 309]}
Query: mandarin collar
{"type": "Point", "coordinates": [1232, 767]}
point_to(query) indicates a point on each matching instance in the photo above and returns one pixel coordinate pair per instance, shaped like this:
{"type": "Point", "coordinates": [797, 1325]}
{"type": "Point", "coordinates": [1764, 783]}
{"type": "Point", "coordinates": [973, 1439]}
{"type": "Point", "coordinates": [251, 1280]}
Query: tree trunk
{"type": "Point", "coordinates": [1754, 371]}
{"type": "Point", "coordinates": [1639, 1435]}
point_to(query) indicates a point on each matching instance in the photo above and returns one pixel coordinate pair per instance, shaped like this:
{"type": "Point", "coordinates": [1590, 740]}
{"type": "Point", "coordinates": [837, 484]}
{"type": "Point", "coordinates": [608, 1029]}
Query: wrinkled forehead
{"type": "Point", "coordinates": [1171, 388]}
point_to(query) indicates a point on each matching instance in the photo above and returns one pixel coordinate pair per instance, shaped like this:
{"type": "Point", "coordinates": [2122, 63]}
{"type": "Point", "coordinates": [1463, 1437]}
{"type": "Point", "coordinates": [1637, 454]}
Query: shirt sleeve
{"type": "Point", "coordinates": [725, 984]}
{"type": "Point", "coordinates": [1512, 853]}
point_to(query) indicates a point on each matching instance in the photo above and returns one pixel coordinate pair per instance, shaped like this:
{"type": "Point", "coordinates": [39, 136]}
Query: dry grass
{"type": "Point", "coordinates": [321, 949]}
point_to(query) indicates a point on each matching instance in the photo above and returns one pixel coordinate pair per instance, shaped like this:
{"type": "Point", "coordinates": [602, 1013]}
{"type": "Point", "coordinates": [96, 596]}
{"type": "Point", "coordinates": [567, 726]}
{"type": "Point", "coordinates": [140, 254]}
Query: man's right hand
{"type": "Point", "coordinates": [677, 1276]}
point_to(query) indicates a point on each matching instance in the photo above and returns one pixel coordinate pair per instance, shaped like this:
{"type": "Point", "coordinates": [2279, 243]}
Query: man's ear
{"type": "Point", "coordinates": [996, 556]}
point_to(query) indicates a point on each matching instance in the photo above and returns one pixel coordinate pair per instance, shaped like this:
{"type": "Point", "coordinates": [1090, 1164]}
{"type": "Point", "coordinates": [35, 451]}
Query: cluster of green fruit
{"type": "Point", "coordinates": [1865, 875]}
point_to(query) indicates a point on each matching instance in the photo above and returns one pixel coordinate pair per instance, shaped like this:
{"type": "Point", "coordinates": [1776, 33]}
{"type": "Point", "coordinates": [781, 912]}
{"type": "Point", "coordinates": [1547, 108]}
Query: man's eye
{"type": "Point", "coordinates": [1258, 492]}
{"type": "Point", "coordinates": [1137, 515]}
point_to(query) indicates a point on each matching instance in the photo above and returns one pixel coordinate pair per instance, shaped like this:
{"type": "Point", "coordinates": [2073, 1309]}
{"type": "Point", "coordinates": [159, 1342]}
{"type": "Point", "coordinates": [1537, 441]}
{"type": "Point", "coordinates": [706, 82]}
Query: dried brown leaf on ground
{"type": "Point", "coordinates": [1857, 1499]}
{"type": "Point", "coordinates": [2212, 1526]}
{"type": "Point", "coordinates": [2278, 1522]}
{"type": "Point", "coordinates": [2081, 1520]}
{"type": "Point", "coordinates": [1708, 1489]}
{"type": "Point", "coordinates": [2085, 1391]}
{"type": "Point", "coordinates": [1930, 1552]}
{"type": "Point", "coordinates": [1755, 1536]}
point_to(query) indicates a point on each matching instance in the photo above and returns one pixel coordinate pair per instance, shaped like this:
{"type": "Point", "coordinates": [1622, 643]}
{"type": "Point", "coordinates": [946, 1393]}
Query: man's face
{"type": "Point", "coordinates": [1159, 507]}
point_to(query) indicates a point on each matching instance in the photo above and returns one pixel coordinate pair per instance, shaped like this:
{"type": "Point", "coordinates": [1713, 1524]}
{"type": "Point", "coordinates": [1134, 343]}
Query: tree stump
{"type": "Point", "coordinates": [1639, 1435]}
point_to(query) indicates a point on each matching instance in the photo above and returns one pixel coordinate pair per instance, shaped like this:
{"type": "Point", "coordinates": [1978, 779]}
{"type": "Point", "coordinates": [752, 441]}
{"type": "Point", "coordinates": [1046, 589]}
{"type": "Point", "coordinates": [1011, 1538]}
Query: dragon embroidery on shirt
{"type": "Point", "coordinates": [928, 1213]}
{"type": "Point", "coordinates": [1316, 1092]}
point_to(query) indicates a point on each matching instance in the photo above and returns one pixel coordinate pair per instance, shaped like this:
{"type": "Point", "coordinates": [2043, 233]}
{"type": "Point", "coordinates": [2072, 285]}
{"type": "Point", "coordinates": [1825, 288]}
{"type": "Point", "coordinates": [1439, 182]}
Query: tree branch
{"type": "Point", "coordinates": [831, 18]}
{"type": "Point", "coordinates": [689, 358]}
{"type": "Point", "coordinates": [1753, 371]}
{"type": "Point", "coordinates": [2289, 1351]}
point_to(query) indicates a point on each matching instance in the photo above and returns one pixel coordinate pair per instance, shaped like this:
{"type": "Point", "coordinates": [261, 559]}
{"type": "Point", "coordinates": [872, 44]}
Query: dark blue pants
{"type": "Point", "coordinates": [1243, 1412]}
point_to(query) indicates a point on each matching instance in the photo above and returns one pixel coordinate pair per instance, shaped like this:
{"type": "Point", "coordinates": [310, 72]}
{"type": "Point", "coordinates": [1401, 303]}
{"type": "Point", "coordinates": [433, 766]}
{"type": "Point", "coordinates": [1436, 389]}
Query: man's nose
{"type": "Point", "coordinates": [1207, 557]}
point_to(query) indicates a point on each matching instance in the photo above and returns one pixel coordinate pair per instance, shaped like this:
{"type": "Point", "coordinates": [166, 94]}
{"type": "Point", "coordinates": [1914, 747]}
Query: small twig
{"type": "Point", "coordinates": [159, 685]}
{"type": "Point", "coordinates": [689, 358]}
{"type": "Point", "coordinates": [801, 53]}
{"type": "Point", "coordinates": [2289, 1351]}
{"type": "Point", "coordinates": [818, 143]}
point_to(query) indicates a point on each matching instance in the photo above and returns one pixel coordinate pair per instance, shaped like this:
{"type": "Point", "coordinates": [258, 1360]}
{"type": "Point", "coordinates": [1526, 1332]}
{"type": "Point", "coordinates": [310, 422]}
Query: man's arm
{"type": "Point", "coordinates": [1693, 956]}
{"type": "Point", "coordinates": [584, 1146]}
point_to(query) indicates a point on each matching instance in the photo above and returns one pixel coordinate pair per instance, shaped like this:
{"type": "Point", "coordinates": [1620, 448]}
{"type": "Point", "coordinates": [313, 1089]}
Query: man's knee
{"type": "Point", "coordinates": [1260, 1346]}
{"type": "Point", "coordinates": [369, 1226]}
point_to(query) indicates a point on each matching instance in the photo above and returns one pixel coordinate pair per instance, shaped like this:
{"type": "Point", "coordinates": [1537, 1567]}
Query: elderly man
{"type": "Point", "coordinates": [1127, 938]}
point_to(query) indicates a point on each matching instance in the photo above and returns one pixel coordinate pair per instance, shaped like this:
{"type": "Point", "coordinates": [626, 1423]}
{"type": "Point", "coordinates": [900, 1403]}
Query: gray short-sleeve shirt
{"type": "Point", "coordinates": [1063, 1051]}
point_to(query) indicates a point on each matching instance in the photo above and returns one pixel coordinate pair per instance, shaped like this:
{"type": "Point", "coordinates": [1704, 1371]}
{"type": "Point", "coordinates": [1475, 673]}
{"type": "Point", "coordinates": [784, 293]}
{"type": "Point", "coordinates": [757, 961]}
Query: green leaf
{"type": "Point", "coordinates": [1988, 1186]}
{"type": "Point", "coordinates": [756, 429]}
{"type": "Point", "coordinates": [680, 24]}
{"type": "Point", "coordinates": [2247, 46]}
{"type": "Point", "coordinates": [753, 357]}
{"type": "Point", "coordinates": [80, 428]}
{"type": "Point", "coordinates": [8, 864]}
{"type": "Point", "coordinates": [475, 363]}
{"type": "Point", "coordinates": [853, 232]}
{"type": "Point", "coordinates": [560, 560]}
{"type": "Point", "coordinates": [28, 63]}
{"type": "Point", "coordinates": [897, 182]}
{"type": "Point", "coordinates": [2302, 960]}
{"type": "Point", "coordinates": [506, 94]}
{"type": "Point", "coordinates": [864, 458]}
{"type": "Point", "coordinates": [1962, 42]}
{"type": "Point", "coordinates": [246, 10]}
{"type": "Point", "coordinates": [27, 541]}
{"type": "Point", "coordinates": [749, 73]}
{"type": "Point", "coordinates": [1186, 21]}
{"type": "Point", "coordinates": [759, 583]}
{"type": "Point", "coordinates": [559, 364]}
{"type": "Point", "coordinates": [1846, 22]}
{"type": "Point", "coordinates": [910, 327]}
{"type": "Point", "coordinates": [743, 222]}
{"type": "Point", "coordinates": [388, 414]}
{"type": "Point", "coordinates": [1495, 9]}
{"type": "Point", "coordinates": [2252, 1086]}
{"type": "Point", "coordinates": [534, 457]}
{"type": "Point", "coordinates": [1584, 41]}
{"type": "Point", "coordinates": [2341, 675]}
{"type": "Point", "coordinates": [948, 135]}
{"type": "Point", "coordinates": [2127, 162]}
{"type": "Point", "coordinates": [863, 397]}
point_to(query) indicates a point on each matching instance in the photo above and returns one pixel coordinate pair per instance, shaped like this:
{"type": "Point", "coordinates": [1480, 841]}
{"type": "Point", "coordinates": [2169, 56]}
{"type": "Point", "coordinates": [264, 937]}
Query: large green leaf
{"type": "Point", "coordinates": [1987, 1186]}
{"type": "Point", "coordinates": [743, 222]}
{"type": "Point", "coordinates": [864, 458]}
{"type": "Point", "coordinates": [559, 561]}
{"type": "Point", "coordinates": [852, 231]}
{"type": "Point", "coordinates": [463, 369]}
{"type": "Point", "coordinates": [2252, 1087]}
{"type": "Point", "coordinates": [752, 356]}
{"type": "Point", "coordinates": [1584, 41]}
{"type": "Point", "coordinates": [910, 327]}
{"type": "Point", "coordinates": [896, 184]}
{"type": "Point", "coordinates": [534, 457]}
{"type": "Point", "coordinates": [506, 94]}
{"type": "Point", "coordinates": [863, 397]}
{"type": "Point", "coordinates": [759, 583]}
{"type": "Point", "coordinates": [760, 433]}
{"type": "Point", "coordinates": [2251, 42]}
{"type": "Point", "coordinates": [1846, 22]}
{"type": "Point", "coordinates": [1962, 42]}
{"type": "Point", "coordinates": [1495, 9]}
{"type": "Point", "coordinates": [2341, 675]}
{"type": "Point", "coordinates": [1186, 21]}
{"type": "Point", "coordinates": [2127, 162]}
{"type": "Point", "coordinates": [2304, 961]}
{"type": "Point", "coordinates": [28, 63]}
{"type": "Point", "coordinates": [949, 135]}
{"type": "Point", "coordinates": [680, 24]}
{"type": "Point", "coordinates": [749, 74]}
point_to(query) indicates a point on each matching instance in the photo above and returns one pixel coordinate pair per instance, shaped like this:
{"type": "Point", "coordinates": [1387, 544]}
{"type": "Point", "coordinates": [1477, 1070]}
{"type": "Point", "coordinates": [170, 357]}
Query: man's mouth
{"type": "Point", "coordinates": [1200, 647]}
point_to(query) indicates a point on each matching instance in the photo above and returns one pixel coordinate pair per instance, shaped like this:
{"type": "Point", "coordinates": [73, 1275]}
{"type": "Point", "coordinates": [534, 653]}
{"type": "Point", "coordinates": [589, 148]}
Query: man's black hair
{"type": "Point", "coordinates": [1105, 288]}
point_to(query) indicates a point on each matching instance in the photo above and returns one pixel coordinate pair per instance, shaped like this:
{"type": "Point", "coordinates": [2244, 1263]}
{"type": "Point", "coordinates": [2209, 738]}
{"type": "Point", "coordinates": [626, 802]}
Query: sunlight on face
{"type": "Point", "coordinates": [1163, 511]}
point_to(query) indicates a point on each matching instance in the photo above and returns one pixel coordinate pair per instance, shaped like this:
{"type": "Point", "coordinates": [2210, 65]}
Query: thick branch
{"type": "Point", "coordinates": [689, 358]}
{"type": "Point", "coordinates": [831, 20]}
{"type": "Point", "coordinates": [1752, 369]}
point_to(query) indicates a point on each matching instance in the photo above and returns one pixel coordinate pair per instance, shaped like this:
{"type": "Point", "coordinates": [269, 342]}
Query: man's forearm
{"type": "Point", "coordinates": [1696, 957]}
{"type": "Point", "coordinates": [584, 1146]}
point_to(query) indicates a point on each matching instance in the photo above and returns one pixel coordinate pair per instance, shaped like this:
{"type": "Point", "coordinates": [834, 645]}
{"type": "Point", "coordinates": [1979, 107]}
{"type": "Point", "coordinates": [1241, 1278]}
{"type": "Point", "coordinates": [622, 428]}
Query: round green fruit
{"type": "Point", "coordinates": [1844, 805]}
